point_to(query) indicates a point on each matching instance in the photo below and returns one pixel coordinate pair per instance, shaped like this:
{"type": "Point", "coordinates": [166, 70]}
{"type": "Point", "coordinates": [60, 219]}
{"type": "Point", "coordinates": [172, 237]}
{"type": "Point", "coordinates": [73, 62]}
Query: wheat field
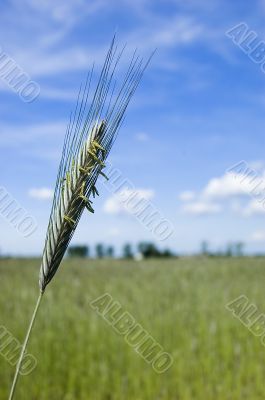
{"type": "Point", "coordinates": [180, 302]}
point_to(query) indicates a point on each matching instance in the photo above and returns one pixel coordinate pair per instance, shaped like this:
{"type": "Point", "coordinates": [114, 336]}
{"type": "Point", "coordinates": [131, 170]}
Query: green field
{"type": "Point", "coordinates": [181, 303]}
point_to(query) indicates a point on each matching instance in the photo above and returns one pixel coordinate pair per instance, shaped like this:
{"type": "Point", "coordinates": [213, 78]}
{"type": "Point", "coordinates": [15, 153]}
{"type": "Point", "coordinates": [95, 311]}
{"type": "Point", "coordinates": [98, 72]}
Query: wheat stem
{"type": "Point", "coordinates": [15, 380]}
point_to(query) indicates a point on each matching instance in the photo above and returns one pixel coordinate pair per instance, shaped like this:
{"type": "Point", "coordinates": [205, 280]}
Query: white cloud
{"type": "Point", "coordinates": [228, 185]}
{"type": "Point", "coordinates": [187, 195]}
{"type": "Point", "coordinates": [119, 203]}
{"type": "Point", "coordinates": [48, 55]}
{"type": "Point", "coordinates": [229, 189]}
{"type": "Point", "coordinates": [62, 11]}
{"type": "Point", "coordinates": [254, 207]}
{"type": "Point", "coordinates": [45, 27]}
{"type": "Point", "coordinates": [180, 30]}
{"type": "Point", "coordinates": [113, 206]}
{"type": "Point", "coordinates": [49, 27]}
{"type": "Point", "coordinates": [202, 208]}
{"type": "Point", "coordinates": [41, 193]}
{"type": "Point", "coordinates": [25, 135]}
{"type": "Point", "coordinates": [166, 33]}
{"type": "Point", "coordinates": [55, 62]}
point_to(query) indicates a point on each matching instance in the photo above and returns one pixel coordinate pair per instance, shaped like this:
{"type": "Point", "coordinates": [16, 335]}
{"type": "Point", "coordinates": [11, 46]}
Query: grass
{"type": "Point", "coordinates": [180, 302]}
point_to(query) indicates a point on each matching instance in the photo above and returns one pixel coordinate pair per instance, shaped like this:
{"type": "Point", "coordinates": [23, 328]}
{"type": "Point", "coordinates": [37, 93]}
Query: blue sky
{"type": "Point", "coordinates": [199, 110]}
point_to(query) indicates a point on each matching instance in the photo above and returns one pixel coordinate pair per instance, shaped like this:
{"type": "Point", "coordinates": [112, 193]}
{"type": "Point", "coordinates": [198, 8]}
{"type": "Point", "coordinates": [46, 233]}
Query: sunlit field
{"type": "Point", "coordinates": [180, 302]}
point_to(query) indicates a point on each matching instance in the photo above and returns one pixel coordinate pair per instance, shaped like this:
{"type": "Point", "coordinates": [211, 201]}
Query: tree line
{"type": "Point", "coordinates": [232, 249]}
{"type": "Point", "coordinates": [149, 250]}
{"type": "Point", "coordinates": [128, 251]}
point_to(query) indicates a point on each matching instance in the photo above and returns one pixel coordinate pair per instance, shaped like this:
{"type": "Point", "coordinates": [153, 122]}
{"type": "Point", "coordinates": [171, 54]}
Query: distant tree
{"type": "Point", "coordinates": [167, 253]}
{"type": "Point", "coordinates": [100, 252]}
{"type": "Point", "coordinates": [78, 251]}
{"type": "Point", "coordinates": [229, 250]}
{"type": "Point", "coordinates": [205, 248]}
{"type": "Point", "coordinates": [148, 250]}
{"type": "Point", "coordinates": [127, 251]}
{"type": "Point", "coordinates": [110, 251]}
{"type": "Point", "coordinates": [239, 249]}
{"type": "Point", "coordinates": [141, 247]}
{"type": "Point", "coordinates": [235, 249]}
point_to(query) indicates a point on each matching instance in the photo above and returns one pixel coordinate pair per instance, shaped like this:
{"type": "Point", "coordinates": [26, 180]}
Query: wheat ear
{"type": "Point", "coordinates": [90, 135]}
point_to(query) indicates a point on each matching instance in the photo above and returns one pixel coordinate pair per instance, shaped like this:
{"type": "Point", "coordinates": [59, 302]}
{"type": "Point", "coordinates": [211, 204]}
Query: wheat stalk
{"type": "Point", "coordinates": [90, 135]}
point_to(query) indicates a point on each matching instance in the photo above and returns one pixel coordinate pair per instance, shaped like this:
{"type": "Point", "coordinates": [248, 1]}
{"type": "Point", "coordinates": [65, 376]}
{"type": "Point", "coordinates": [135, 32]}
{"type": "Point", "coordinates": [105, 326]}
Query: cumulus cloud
{"type": "Point", "coordinates": [229, 185]}
{"type": "Point", "coordinates": [233, 189]}
{"type": "Point", "coordinates": [41, 193]}
{"type": "Point", "coordinates": [202, 208]}
{"type": "Point", "coordinates": [118, 203]}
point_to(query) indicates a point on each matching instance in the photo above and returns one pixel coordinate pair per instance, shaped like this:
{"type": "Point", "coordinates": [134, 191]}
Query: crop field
{"type": "Point", "coordinates": [180, 302]}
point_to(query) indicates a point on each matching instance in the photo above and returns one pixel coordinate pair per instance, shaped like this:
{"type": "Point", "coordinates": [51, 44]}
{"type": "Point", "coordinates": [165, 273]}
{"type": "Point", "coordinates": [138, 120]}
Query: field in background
{"type": "Point", "coordinates": [180, 302]}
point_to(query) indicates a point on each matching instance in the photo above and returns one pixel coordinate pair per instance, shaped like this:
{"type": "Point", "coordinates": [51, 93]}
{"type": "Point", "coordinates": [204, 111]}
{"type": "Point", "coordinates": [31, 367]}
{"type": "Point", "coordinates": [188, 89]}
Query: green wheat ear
{"type": "Point", "coordinates": [89, 138]}
{"type": "Point", "coordinates": [72, 199]}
